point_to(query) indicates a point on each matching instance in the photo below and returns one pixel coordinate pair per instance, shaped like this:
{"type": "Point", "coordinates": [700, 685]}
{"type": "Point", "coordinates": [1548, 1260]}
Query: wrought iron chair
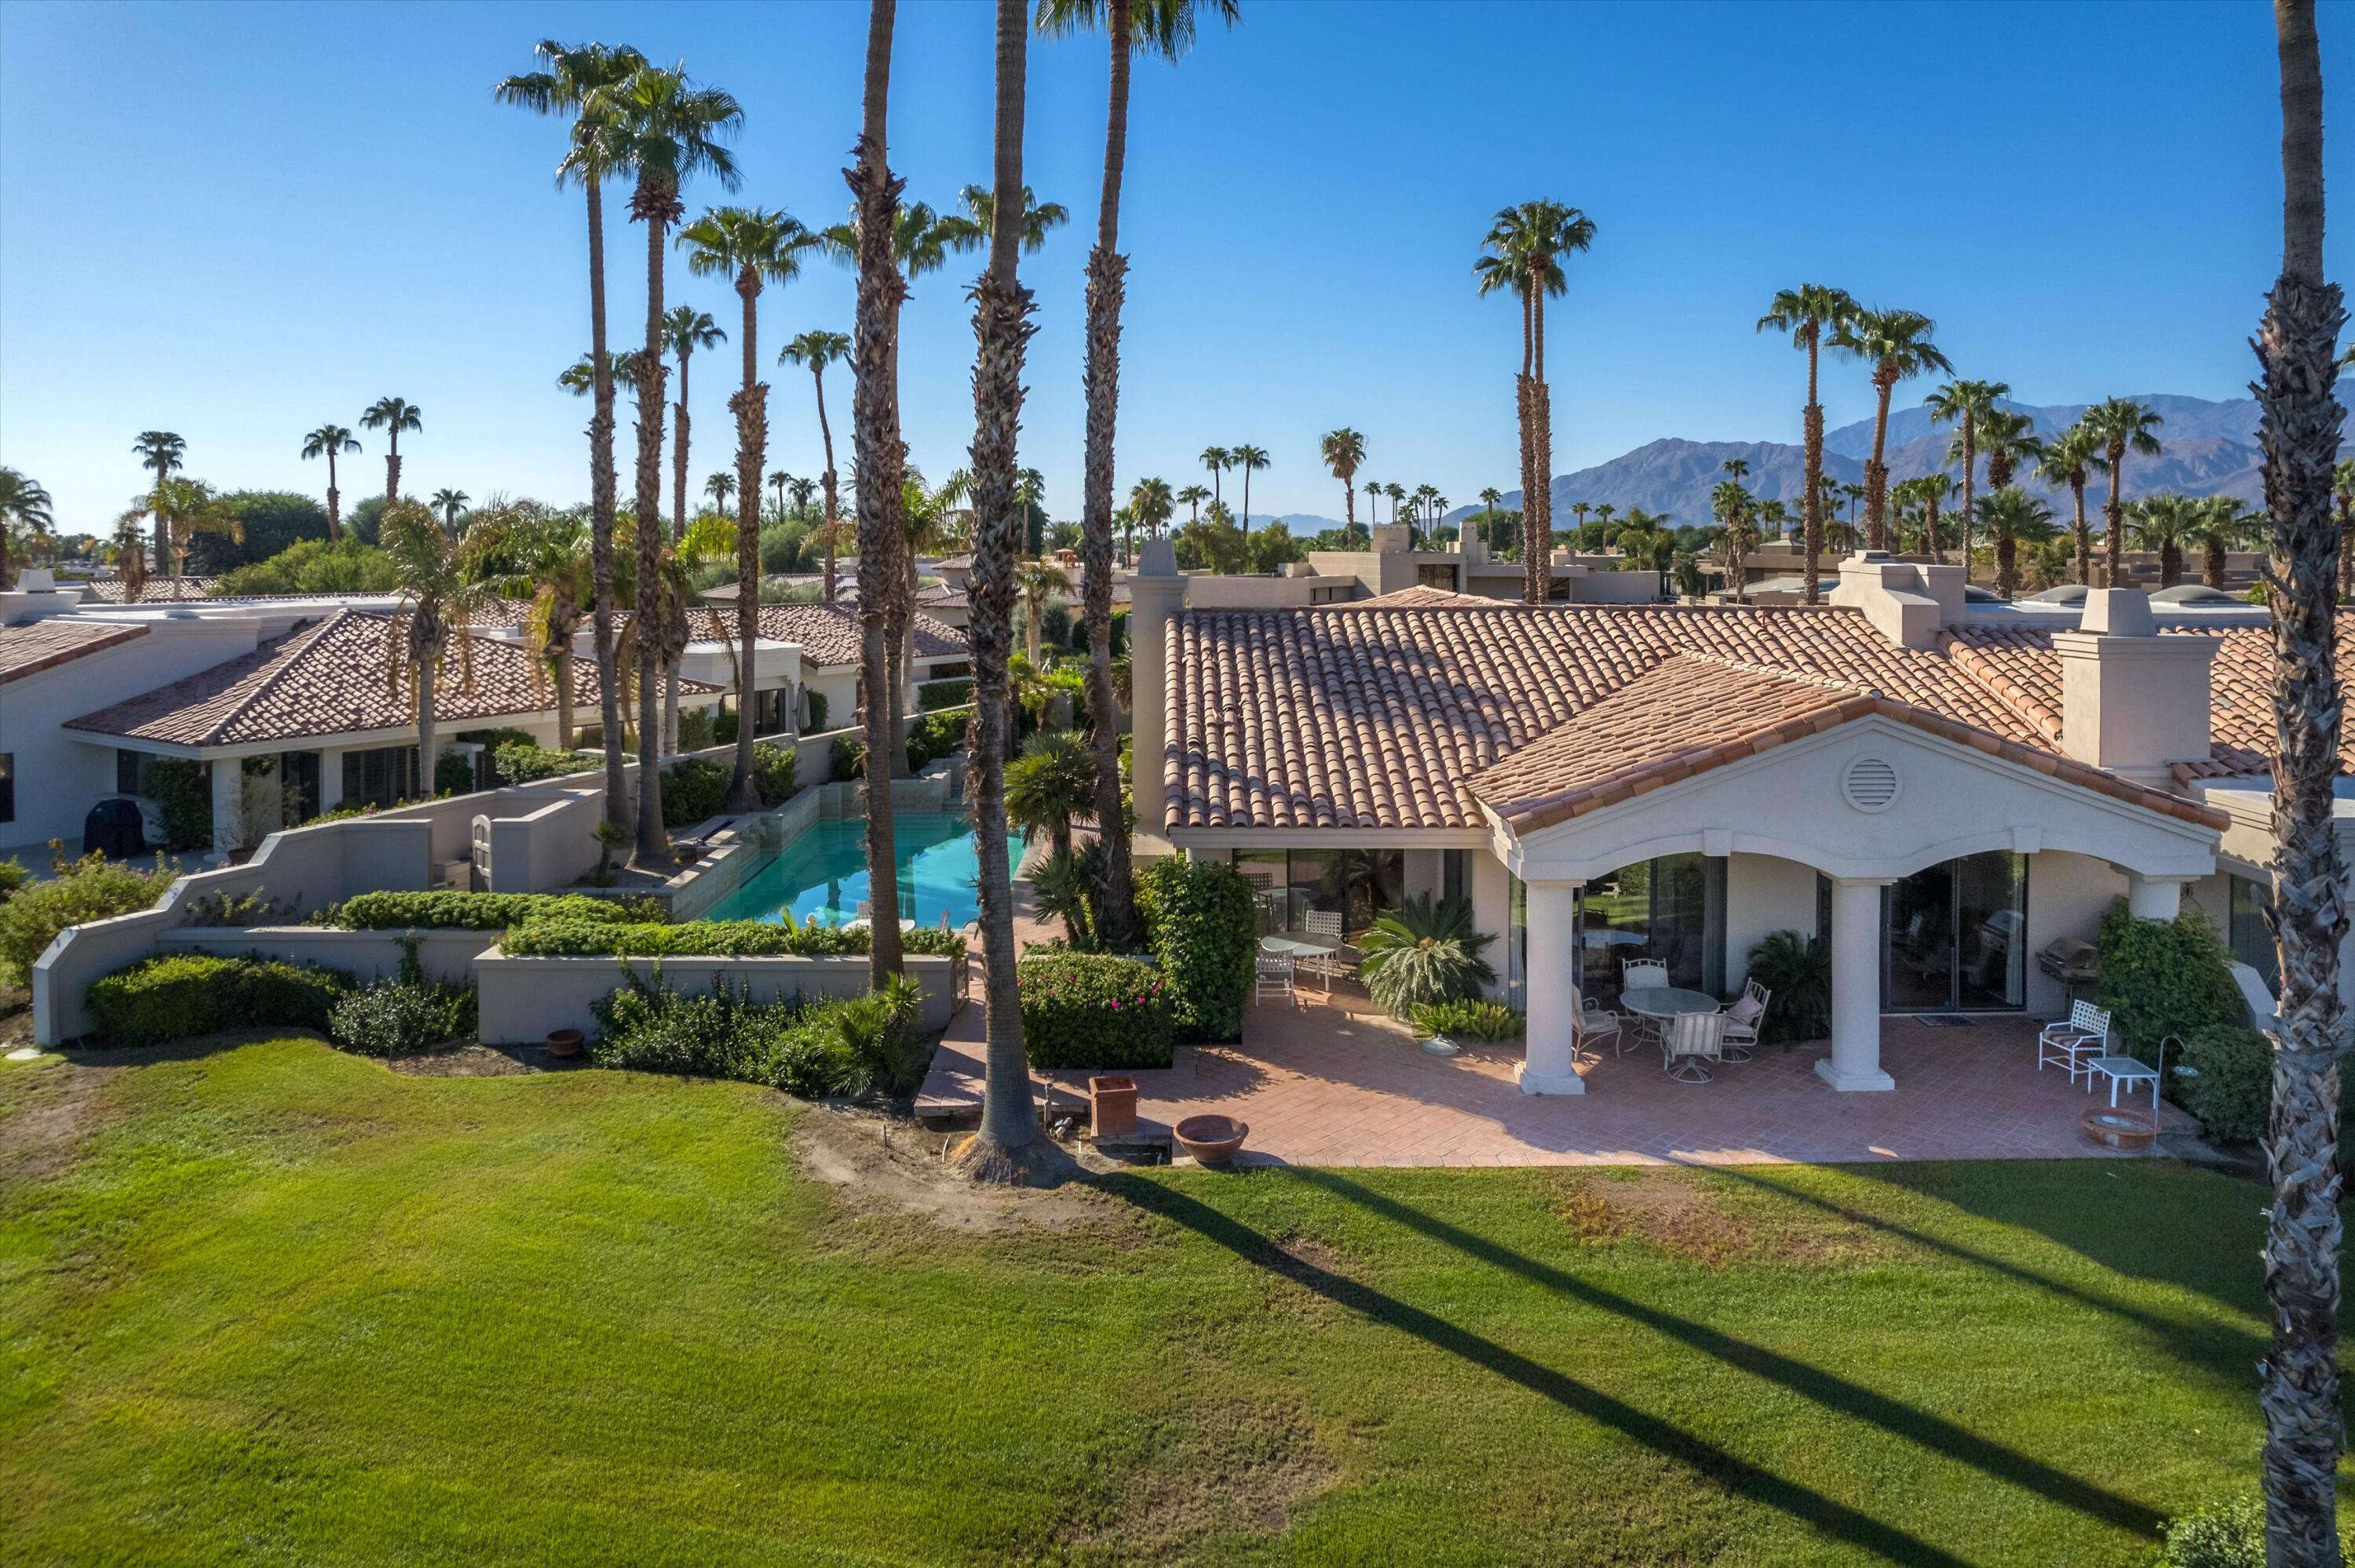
{"type": "Point", "coordinates": [1592, 1025]}
{"type": "Point", "coordinates": [1742, 1019]}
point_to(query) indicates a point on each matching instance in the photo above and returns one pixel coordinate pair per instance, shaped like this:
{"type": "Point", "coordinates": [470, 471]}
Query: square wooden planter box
{"type": "Point", "coordinates": [1112, 1106]}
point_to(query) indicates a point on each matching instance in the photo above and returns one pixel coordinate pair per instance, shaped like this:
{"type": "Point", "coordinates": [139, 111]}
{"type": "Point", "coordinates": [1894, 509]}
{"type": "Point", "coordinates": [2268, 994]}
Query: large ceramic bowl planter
{"type": "Point", "coordinates": [2127, 1131]}
{"type": "Point", "coordinates": [565, 1042]}
{"type": "Point", "coordinates": [1212, 1140]}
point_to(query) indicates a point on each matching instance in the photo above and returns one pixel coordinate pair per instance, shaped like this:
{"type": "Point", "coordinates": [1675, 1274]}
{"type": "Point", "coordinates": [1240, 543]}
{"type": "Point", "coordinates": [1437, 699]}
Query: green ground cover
{"type": "Point", "coordinates": [263, 1302]}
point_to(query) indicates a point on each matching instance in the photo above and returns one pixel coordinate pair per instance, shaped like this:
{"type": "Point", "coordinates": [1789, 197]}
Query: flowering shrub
{"type": "Point", "coordinates": [1094, 1009]}
{"type": "Point", "coordinates": [1201, 923]}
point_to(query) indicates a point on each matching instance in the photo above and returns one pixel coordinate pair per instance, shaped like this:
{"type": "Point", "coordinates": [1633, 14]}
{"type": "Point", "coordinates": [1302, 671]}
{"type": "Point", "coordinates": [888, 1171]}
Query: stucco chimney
{"type": "Point", "coordinates": [1156, 593]}
{"type": "Point", "coordinates": [1391, 537]}
{"type": "Point", "coordinates": [2132, 701]}
{"type": "Point", "coordinates": [1908, 601]}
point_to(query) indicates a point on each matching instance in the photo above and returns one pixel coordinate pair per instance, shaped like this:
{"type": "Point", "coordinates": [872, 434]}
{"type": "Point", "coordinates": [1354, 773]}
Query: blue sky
{"type": "Point", "coordinates": [288, 211]}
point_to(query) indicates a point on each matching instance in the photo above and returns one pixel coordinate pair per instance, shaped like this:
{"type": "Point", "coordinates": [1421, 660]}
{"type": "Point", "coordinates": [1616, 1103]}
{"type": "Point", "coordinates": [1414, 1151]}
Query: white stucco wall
{"type": "Point", "coordinates": [1492, 909]}
{"type": "Point", "coordinates": [2067, 896]}
{"type": "Point", "coordinates": [523, 998]}
{"type": "Point", "coordinates": [1763, 894]}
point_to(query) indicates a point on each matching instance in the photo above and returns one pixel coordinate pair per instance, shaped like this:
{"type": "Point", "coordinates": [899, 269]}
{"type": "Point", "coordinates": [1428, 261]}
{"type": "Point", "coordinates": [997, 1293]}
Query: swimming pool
{"type": "Point", "coordinates": [823, 874]}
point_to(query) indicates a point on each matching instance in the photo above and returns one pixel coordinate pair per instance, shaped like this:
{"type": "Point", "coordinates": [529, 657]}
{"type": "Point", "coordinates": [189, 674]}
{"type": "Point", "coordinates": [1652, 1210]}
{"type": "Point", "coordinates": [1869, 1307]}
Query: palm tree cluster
{"type": "Point", "coordinates": [1521, 256]}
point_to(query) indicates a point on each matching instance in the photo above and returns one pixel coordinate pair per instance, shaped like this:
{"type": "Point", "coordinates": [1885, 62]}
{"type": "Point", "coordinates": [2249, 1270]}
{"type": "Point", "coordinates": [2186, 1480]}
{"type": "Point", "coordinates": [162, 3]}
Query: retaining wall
{"type": "Point", "coordinates": [523, 998]}
{"type": "Point", "coordinates": [444, 955]}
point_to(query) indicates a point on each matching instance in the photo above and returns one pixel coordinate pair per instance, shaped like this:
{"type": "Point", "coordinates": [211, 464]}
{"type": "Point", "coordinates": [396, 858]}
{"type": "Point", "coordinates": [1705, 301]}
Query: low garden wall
{"type": "Point", "coordinates": [444, 954]}
{"type": "Point", "coordinates": [523, 998]}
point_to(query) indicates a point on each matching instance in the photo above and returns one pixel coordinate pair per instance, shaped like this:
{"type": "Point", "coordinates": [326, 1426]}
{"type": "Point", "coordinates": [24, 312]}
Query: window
{"type": "Point", "coordinates": [126, 771]}
{"type": "Point", "coordinates": [1669, 911]}
{"type": "Point", "coordinates": [1359, 886]}
{"type": "Point", "coordinates": [769, 710]}
{"type": "Point", "coordinates": [385, 777]}
{"type": "Point", "coordinates": [1453, 865]}
{"type": "Point", "coordinates": [7, 786]}
{"type": "Point", "coordinates": [2252, 943]}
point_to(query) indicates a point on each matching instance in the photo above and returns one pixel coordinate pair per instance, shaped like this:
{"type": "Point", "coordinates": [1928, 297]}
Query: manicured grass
{"type": "Point", "coordinates": [264, 1302]}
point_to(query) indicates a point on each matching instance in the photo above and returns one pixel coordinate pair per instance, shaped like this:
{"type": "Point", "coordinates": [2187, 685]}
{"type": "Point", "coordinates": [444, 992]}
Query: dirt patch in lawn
{"type": "Point", "coordinates": [1683, 1213]}
{"type": "Point", "coordinates": [883, 1164]}
{"type": "Point", "coordinates": [467, 1060]}
{"type": "Point", "coordinates": [56, 1105]}
{"type": "Point", "coordinates": [1209, 1468]}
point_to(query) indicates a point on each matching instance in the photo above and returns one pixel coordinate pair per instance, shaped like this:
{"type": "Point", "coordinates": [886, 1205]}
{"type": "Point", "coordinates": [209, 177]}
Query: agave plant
{"type": "Point", "coordinates": [1425, 952]}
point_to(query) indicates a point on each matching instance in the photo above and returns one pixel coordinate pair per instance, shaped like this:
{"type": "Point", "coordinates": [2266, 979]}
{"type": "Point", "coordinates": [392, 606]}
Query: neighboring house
{"type": "Point", "coordinates": [1940, 788]}
{"type": "Point", "coordinates": [828, 638]}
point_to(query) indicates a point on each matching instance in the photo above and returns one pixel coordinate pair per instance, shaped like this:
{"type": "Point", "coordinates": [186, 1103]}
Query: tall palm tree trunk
{"type": "Point", "coordinates": [428, 752]}
{"type": "Point", "coordinates": [1876, 473]}
{"type": "Point", "coordinates": [600, 517]}
{"type": "Point", "coordinates": [2085, 532]}
{"type": "Point", "coordinates": [2299, 429]}
{"type": "Point", "coordinates": [1539, 522]}
{"type": "Point", "coordinates": [875, 426]}
{"type": "Point", "coordinates": [2114, 515]}
{"type": "Point", "coordinates": [561, 657]}
{"type": "Point", "coordinates": [678, 535]}
{"type": "Point", "coordinates": [1811, 510]}
{"type": "Point", "coordinates": [392, 466]}
{"type": "Point", "coordinates": [1107, 274]}
{"type": "Point", "coordinates": [2211, 563]}
{"type": "Point", "coordinates": [751, 407]}
{"type": "Point", "coordinates": [2007, 560]}
{"type": "Point", "coordinates": [655, 207]}
{"type": "Point", "coordinates": [1970, 473]}
{"type": "Point", "coordinates": [825, 434]}
{"type": "Point", "coordinates": [1008, 1148]}
{"type": "Point", "coordinates": [2346, 548]}
{"type": "Point", "coordinates": [1522, 401]}
{"type": "Point", "coordinates": [335, 503]}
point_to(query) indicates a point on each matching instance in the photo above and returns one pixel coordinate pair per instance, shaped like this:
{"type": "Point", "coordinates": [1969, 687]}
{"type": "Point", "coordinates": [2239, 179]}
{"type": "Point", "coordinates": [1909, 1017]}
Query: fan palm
{"type": "Point", "coordinates": [1344, 451]}
{"type": "Point", "coordinates": [971, 231]}
{"type": "Point", "coordinates": [2163, 523]}
{"type": "Point", "coordinates": [2008, 440]}
{"type": "Point", "coordinates": [1251, 460]}
{"type": "Point", "coordinates": [2067, 460]}
{"type": "Point", "coordinates": [2122, 426]}
{"type": "Point", "coordinates": [161, 453]}
{"type": "Point", "coordinates": [817, 349]}
{"type": "Point", "coordinates": [685, 329]}
{"type": "Point", "coordinates": [1896, 344]}
{"type": "Point", "coordinates": [2220, 525]}
{"type": "Point", "coordinates": [1038, 581]}
{"type": "Point", "coordinates": [1067, 886]}
{"type": "Point", "coordinates": [182, 509]}
{"type": "Point", "coordinates": [2009, 514]}
{"type": "Point", "coordinates": [129, 551]}
{"type": "Point", "coordinates": [1151, 504]}
{"type": "Point", "coordinates": [1218, 460]}
{"type": "Point", "coordinates": [1424, 951]}
{"type": "Point", "coordinates": [22, 505]}
{"type": "Point", "coordinates": [544, 559]}
{"type": "Point", "coordinates": [1929, 492]}
{"type": "Point", "coordinates": [1965, 404]}
{"type": "Point", "coordinates": [1524, 246]}
{"type": "Point", "coordinates": [573, 82]}
{"type": "Point", "coordinates": [1051, 784]}
{"type": "Point", "coordinates": [671, 130]}
{"type": "Point", "coordinates": [392, 416]}
{"type": "Point", "coordinates": [438, 595]}
{"type": "Point", "coordinates": [327, 441]}
{"type": "Point", "coordinates": [1193, 495]}
{"type": "Point", "coordinates": [449, 503]}
{"type": "Point", "coordinates": [753, 247]}
{"type": "Point", "coordinates": [1807, 312]}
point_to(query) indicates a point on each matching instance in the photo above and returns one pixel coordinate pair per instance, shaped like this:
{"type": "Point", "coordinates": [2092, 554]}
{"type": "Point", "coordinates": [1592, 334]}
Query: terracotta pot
{"type": "Point", "coordinates": [2122, 1129]}
{"type": "Point", "coordinates": [565, 1042]}
{"type": "Point", "coordinates": [1111, 1103]}
{"type": "Point", "coordinates": [1212, 1140]}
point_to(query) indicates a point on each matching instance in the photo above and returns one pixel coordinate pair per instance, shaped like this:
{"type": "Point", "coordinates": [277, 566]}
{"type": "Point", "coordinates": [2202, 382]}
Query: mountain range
{"type": "Point", "coordinates": [2208, 448]}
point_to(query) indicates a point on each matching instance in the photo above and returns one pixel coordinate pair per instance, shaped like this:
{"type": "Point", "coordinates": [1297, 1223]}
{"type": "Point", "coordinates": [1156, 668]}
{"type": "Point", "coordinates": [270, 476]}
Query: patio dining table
{"type": "Point", "coordinates": [1315, 950]}
{"type": "Point", "coordinates": [1668, 1002]}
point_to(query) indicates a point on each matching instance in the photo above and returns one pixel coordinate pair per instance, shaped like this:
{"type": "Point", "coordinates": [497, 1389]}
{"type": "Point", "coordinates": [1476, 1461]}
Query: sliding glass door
{"type": "Point", "coordinates": [1956, 936]}
{"type": "Point", "coordinates": [1668, 911]}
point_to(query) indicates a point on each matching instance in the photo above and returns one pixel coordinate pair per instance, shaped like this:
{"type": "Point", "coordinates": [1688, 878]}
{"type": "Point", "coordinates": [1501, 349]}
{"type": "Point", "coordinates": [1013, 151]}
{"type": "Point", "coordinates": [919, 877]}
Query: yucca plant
{"type": "Point", "coordinates": [1425, 952]}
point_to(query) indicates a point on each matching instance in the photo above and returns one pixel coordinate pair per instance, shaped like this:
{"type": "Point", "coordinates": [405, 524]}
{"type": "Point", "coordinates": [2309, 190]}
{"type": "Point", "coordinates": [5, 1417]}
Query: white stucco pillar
{"type": "Point", "coordinates": [2153, 898]}
{"type": "Point", "coordinates": [1855, 1061]}
{"type": "Point", "coordinates": [1551, 1065]}
{"type": "Point", "coordinates": [1157, 593]}
{"type": "Point", "coordinates": [331, 778]}
{"type": "Point", "coordinates": [229, 799]}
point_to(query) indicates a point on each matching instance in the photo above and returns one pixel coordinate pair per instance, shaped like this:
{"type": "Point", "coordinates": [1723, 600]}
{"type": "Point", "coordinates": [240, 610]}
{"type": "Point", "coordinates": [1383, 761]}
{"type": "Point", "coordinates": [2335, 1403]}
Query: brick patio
{"type": "Point", "coordinates": [1340, 1085]}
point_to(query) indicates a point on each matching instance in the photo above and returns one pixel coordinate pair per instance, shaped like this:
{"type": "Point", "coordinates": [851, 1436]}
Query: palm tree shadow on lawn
{"type": "Point", "coordinates": [1738, 1476]}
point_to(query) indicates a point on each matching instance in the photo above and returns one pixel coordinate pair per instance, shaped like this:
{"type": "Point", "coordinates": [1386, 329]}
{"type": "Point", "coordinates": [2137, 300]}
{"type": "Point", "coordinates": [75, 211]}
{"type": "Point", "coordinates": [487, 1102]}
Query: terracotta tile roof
{"type": "Point", "coordinates": [56, 640]}
{"type": "Point", "coordinates": [828, 633]}
{"type": "Point", "coordinates": [158, 590]}
{"type": "Point", "coordinates": [1369, 715]}
{"type": "Point", "coordinates": [1421, 596]}
{"type": "Point", "coordinates": [1696, 712]}
{"type": "Point", "coordinates": [327, 677]}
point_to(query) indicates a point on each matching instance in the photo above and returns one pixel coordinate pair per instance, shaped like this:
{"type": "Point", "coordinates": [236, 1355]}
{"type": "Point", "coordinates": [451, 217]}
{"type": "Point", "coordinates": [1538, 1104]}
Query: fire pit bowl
{"type": "Point", "coordinates": [565, 1042]}
{"type": "Point", "coordinates": [2121, 1129]}
{"type": "Point", "coordinates": [1212, 1140]}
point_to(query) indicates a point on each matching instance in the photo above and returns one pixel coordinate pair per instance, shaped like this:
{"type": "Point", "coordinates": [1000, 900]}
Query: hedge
{"type": "Point", "coordinates": [2165, 976]}
{"type": "Point", "coordinates": [525, 763]}
{"type": "Point", "coordinates": [852, 1045]}
{"type": "Point", "coordinates": [773, 773]}
{"type": "Point", "coordinates": [402, 1018]}
{"type": "Point", "coordinates": [933, 694]}
{"type": "Point", "coordinates": [1094, 1009]}
{"type": "Point", "coordinates": [1204, 930]}
{"type": "Point", "coordinates": [175, 997]}
{"type": "Point", "coordinates": [708, 938]}
{"type": "Point", "coordinates": [467, 911]}
{"type": "Point", "coordinates": [90, 888]}
{"type": "Point", "coordinates": [936, 735]}
{"type": "Point", "coordinates": [693, 790]}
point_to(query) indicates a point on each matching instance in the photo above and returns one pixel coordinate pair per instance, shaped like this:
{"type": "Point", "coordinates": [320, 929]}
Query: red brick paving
{"type": "Point", "coordinates": [1339, 1085]}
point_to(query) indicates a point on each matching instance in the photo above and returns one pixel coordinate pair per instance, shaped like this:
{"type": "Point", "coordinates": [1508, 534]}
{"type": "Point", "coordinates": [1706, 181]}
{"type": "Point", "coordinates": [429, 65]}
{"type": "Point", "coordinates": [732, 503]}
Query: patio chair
{"type": "Point", "coordinates": [1742, 1021]}
{"type": "Point", "coordinates": [1592, 1025]}
{"type": "Point", "coordinates": [1328, 922]}
{"type": "Point", "coordinates": [1274, 974]}
{"type": "Point", "coordinates": [2073, 1041]}
{"type": "Point", "coordinates": [1645, 974]}
{"type": "Point", "coordinates": [1694, 1041]}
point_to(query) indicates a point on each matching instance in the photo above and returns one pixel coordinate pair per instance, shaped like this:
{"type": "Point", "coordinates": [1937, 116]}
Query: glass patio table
{"type": "Point", "coordinates": [1667, 1002]}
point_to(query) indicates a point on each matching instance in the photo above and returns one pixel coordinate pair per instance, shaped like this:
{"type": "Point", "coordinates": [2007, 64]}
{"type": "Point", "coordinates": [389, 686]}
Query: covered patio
{"type": "Point", "coordinates": [1341, 1085]}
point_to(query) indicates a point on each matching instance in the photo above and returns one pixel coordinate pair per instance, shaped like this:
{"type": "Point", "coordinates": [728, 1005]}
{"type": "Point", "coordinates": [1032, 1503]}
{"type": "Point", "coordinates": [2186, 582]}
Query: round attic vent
{"type": "Point", "coordinates": [1869, 784]}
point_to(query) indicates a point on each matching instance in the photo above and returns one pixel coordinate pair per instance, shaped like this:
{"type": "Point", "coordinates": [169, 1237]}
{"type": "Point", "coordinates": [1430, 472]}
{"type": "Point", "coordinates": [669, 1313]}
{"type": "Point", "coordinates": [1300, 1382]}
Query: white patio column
{"type": "Point", "coordinates": [2153, 898]}
{"type": "Point", "coordinates": [1550, 1065]}
{"type": "Point", "coordinates": [1855, 1061]}
{"type": "Point", "coordinates": [228, 800]}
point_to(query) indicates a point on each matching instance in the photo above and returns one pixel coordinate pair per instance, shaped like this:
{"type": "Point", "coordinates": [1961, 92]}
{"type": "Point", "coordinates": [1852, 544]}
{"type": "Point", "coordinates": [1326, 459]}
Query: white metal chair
{"type": "Point", "coordinates": [2073, 1041]}
{"type": "Point", "coordinates": [1274, 974]}
{"type": "Point", "coordinates": [1693, 1040]}
{"type": "Point", "coordinates": [1592, 1025]}
{"type": "Point", "coordinates": [1742, 1019]}
{"type": "Point", "coordinates": [1327, 923]}
{"type": "Point", "coordinates": [1643, 974]}
{"type": "Point", "coordinates": [2124, 1071]}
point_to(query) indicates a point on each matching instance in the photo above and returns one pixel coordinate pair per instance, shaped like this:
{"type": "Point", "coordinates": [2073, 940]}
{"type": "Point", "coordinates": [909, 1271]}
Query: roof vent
{"type": "Point", "coordinates": [1869, 784]}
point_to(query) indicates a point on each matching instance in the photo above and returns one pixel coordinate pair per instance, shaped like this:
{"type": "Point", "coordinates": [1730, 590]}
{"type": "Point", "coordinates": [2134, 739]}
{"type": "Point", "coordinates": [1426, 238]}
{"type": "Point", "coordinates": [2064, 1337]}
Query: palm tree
{"type": "Point", "coordinates": [1218, 460]}
{"type": "Point", "coordinates": [1051, 783]}
{"type": "Point", "coordinates": [439, 593]}
{"type": "Point", "coordinates": [1774, 514]}
{"type": "Point", "coordinates": [1038, 581]}
{"type": "Point", "coordinates": [719, 486]}
{"type": "Point", "coordinates": [2007, 439]}
{"type": "Point", "coordinates": [671, 130]}
{"type": "Point", "coordinates": [2010, 513]}
{"type": "Point", "coordinates": [755, 245]}
{"type": "Point", "coordinates": [1578, 509]}
{"type": "Point", "coordinates": [1344, 450]}
{"type": "Point", "coordinates": [817, 349]}
{"type": "Point", "coordinates": [2342, 490]}
{"type": "Point", "coordinates": [1151, 504]}
{"type": "Point", "coordinates": [2297, 429]}
{"type": "Point", "coordinates": [1604, 513]}
{"type": "Point", "coordinates": [326, 441]}
{"type": "Point", "coordinates": [1397, 492]}
{"type": "Point", "coordinates": [2067, 460]}
{"type": "Point", "coordinates": [2121, 425]}
{"type": "Point", "coordinates": [22, 505]}
{"type": "Point", "coordinates": [448, 503]}
{"type": "Point", "coordinates": [803, 490]}
{"type": "Point", "coordinates": [685, 329]}
{"type": "Point", "coordinates": [1523, 248]}
{"type": "Point", "coordinates": [1193, 495]}
{"type": "Point", "coordinates": [182, 509]}
{"type": "Point", "coordinates": [1167, 28]}
{"type": "Point", "coordinates": [881, 456]}
{"type": "Point", "coordinates": [1490, 496]}
{"type": "Point", "coordinates": [2163, 523]}
{"type": "Point", "coordinates": [1929, 492]}
{"type": "Point", "coordinates": [1969, 402]}
{"type": "Point", "coordinates": [547, 562]}
{"type": "Point", "coordinates": [1807, 312]}
{"type": "Point", "coordinates": [780, 482]}
{"type": "Point", "coordinates": [2219, 526]}
{"type": "Point", "coordinates": [392, 416]}
{"type": "Point", "coordinates": [970, 231]}
{"type": "Point", "coordinates": [574, 82]}
{"type": "Point", "coordinates": [129, 552]}
{"type": "Point", "coordinates": [1897, 345]}
{"type": "Point", "coordinates": [160, 452]}
{"type": "Point", "coordinates": [1251, 460]}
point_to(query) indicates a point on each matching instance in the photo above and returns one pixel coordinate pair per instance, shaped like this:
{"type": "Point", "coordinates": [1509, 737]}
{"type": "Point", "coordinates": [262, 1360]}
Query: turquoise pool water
{"type": "Point", "coordinates": [823, 874]}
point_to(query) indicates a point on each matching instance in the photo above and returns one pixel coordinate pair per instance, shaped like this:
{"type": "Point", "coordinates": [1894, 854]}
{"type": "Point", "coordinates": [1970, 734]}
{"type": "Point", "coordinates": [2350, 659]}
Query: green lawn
{"type": "Point", "coordinates": [267, 1303]}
